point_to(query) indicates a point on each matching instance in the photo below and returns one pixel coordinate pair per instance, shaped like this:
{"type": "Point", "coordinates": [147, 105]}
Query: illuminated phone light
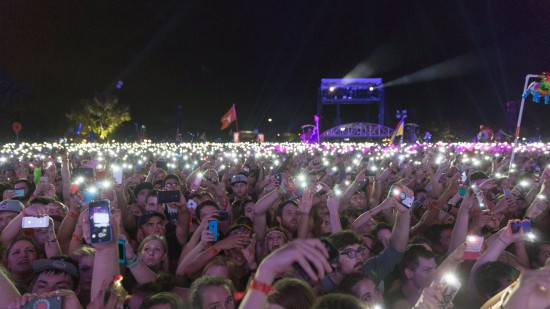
{"type": "Point", "coordinates": [450, 278]}
{"type": "Point", "coordinates": [541, 197]}
{"type": "Point", "coordinates": [524, 183]}
{"type": "Point", "coordinates": [530, 236]}
{"type": "Point", "coordinates": [80, 180]}
{"type": "Point", "coordinates": [92, 190]}
{"type": "Point", "coordinates": [337, 192]}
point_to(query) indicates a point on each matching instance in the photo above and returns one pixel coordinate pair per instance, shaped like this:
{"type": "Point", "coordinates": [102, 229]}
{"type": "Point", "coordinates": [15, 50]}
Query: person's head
{"type": "Point", "coordinates": [27, 186]}
{"type": "Point", "coordinates": [243, 208]}
{"type": "Point", "coordinates": [358, 201]}
{"type": "Point", "coordinates": [164, 282]}
{"type": "Point", "coordinates": [153, 251]}
{"type": "Point", "coordinates": [10, 176]}
{"type": "Point", "coordinates": [151, 223]}
{"type": "Point", "coordinates": [382, 233]}
{"type": "Point", "coordinates": [352, 252]}
{"type": "Point", "coordinates": [239, 185]}
{"type": "Point", "coordinates": [9, 209]}
{"type": "Point", "coordinates": [151, 202]}
{"type": "Point", "coordinates": [440, 235]}
{"type": "Point", "coordinates": [418, 266]}
{"type": "Point", "coordinates": [492, 277]}
{"type": "Point", "coordinates": [275, 238]}
{"type": "Point", "coordinates": [338, 301]}
{"type": "Point", "coordinates": [421, 240]}
{"type": "Point", "coordinates": [218, 267]}
{"type": "Point", "coordinates": [171, 182]}
{"type": "Point", "coordinates": [20, 255]}
{"type": "Point", "coordinates": [235, 254]}
{"type": "Point", "coordinates": [163, 300]}
{"type": "Point", "coordinates": [140, 192]}
{"type": "Point", "coordinates": [55, 273]}
{"type": "Point", "coordinates": [291, 294]}
{"type": "Point", "coordinates": [204, 209]}
{"type": "Point", "coordinates": [288, 215]}
{"type": "Point", "coordinates": [362, 287]}
{"type": "Point", "coordinates": [85, 257]}
{"type": "Point", "coordinates": [212, 292]}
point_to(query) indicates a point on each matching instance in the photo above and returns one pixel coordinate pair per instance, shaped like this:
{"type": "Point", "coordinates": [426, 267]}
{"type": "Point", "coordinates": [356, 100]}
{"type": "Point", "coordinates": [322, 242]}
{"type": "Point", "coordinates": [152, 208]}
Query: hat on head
{"type": "Point", "coordinates": [238, 178]}
{"type": "Point", "coordinates": [148, 215]}
{"type": "Point", "coordinates": [11, 205]}
{"type": "Point", "coordinates": [142, 185]}
{"type": "Point", "coordinates": [61, 263]}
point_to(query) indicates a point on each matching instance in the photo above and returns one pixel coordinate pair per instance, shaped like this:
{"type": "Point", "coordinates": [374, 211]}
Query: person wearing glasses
{"type": "Point", "coordinates": [354, 255]}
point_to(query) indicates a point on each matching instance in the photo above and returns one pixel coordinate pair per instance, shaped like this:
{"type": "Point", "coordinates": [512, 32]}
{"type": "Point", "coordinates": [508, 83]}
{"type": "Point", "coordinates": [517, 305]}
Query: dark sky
{"type": "Point", "coordinates": [463, 59]}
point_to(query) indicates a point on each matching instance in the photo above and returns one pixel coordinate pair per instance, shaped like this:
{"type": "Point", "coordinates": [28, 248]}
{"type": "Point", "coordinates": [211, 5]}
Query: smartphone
{"type": "Point", "coordinates": [121, 252]}
{"type": "Point", "coordinates": [168, 197]}
{"type": "Point", "coordinates": [506, 192]}
{"type": "Point", "coordinates": [18, 193]}
{"type": "Point", "coordinates": [526, 225]}
{"type": "Point", "coordinates": [213, 226]}
{"type": "Point", "coordinates": [53, 302]}
{"type": "Point", "coordinates": [90, 194]}
{"type": "Point", "coordinates": [449, 288]}
{"type": "Point", "coordinates": [35, 222]}
{"type": "Point", "coordinates": [44, 179]}
{"type": "Point", "coordinates": [278, 177]}
{"type": "Point", "coordinates": [85, 172]}
{"type": "Point", "coordinates": [100, 225]}
{"type": "Point", "coordinates": [403, 198]}
{"type": "Point", "coordinates": [333, 256]}
{"type": "Point", "coordinates": [117, 174]}
{"type": "Point", "coordinates": [162, 164]}
{"type": "Point", "coordinates": [474, 244]}
{"type": "Point", "coordinates": [370, 172]}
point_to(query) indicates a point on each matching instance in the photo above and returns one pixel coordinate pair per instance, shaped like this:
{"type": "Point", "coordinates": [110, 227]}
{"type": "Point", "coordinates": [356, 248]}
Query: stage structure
{"type": "Point", "coordinates": [358, 130]}
{"type": "Point", "coordinates": [351, 91]}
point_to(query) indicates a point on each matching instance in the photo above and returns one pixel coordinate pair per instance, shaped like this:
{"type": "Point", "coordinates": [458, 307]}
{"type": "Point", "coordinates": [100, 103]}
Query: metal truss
{"type": "Point", "coordinates": [358, 130]}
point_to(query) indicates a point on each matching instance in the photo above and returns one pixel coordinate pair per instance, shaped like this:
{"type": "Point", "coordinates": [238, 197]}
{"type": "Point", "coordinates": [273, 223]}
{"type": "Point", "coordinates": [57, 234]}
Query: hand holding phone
{"type": "Point", "coordinates": [474, 245]}
{"type": "Point", "coordinates": [449, 288]}
{"type": "Point", "coordinates": [100, 225]}
{"type": "Point", "coordinates": [213, 227]}
{"type": "Point", "coordinates": [35, 222]}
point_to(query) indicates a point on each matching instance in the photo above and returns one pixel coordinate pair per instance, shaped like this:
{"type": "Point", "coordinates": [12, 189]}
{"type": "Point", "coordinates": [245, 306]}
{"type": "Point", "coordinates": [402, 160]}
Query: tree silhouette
{"type": "Point", "coordinates": [100, 116]}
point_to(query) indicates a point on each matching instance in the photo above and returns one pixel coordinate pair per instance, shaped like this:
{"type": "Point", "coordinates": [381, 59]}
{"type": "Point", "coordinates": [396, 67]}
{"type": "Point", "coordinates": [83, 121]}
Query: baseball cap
{"type": "Point", "coordinates": [148, 215]}
{"type": "Point", "coordinates": [238, 178]}
{"type": "Point", "coordinates": [142, 185]}
{"type": "Point", "coordinates": [61, 262]}
{"type": "Point", "coordinates": [11, 205]}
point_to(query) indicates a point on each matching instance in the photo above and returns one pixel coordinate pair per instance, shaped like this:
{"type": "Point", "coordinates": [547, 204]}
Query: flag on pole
{"type": "Point", "coordinates": [228, 117]}
{"type": "Point", "coordinates": [398, 130]}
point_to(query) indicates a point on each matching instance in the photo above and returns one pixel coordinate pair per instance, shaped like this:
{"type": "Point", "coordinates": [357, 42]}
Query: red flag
{"type": "Point", "coordinates": [228, 117]}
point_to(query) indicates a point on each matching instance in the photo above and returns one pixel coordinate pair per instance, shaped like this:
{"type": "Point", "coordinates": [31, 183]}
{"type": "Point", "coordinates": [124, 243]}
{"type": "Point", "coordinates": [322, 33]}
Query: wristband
{"type": "Point", "coordinates": [213, 251]}
{"type": "Point", "coordinates": [76, 237]}
{"type": "Point", "coordinates": [132, 262]}
{"type": "Point", "coordinates": [260, 286]}
{"type": "Point", "coordinates": [73, 214]}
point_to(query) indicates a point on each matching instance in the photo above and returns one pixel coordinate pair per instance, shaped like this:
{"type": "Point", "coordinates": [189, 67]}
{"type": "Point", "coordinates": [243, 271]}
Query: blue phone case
{"type": "Point", "coordinates": [213, 226]}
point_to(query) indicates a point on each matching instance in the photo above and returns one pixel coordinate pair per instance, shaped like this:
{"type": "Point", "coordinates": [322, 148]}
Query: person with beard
{"type": "Point", "coordinates": [352, 257]}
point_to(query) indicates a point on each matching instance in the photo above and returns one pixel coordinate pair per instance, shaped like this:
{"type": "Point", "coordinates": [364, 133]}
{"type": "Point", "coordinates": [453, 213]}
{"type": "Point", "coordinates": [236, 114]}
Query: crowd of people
{"type": "Point", "coordinates": [295, 226]}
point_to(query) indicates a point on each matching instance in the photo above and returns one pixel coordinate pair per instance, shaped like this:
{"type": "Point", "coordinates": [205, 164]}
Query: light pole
{"type": "Point", "coordinates": [401, 114]}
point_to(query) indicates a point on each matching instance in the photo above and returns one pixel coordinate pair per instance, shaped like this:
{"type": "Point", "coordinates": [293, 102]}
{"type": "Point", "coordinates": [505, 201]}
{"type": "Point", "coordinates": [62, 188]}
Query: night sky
{"type": "Point", "coordinates": [450, 62]}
